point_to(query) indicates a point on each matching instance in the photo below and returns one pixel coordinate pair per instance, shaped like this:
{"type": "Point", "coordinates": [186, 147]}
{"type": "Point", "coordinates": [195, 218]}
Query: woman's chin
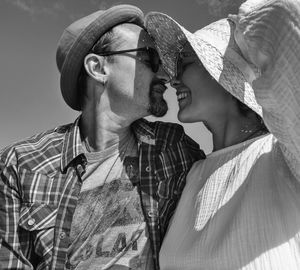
{"type": "Point", "coordinates": [185, 118]}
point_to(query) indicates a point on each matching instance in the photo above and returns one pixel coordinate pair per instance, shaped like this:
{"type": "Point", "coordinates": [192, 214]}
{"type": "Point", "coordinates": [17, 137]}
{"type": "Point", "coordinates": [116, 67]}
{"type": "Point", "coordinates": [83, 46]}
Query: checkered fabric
{"type": "Point", "coordinates": [40, 181]}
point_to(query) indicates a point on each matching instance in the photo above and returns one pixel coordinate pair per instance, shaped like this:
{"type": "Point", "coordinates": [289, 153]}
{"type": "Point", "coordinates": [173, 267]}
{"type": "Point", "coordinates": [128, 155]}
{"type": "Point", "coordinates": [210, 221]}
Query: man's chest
{"type": "Point", "coordinates": [108, 225]}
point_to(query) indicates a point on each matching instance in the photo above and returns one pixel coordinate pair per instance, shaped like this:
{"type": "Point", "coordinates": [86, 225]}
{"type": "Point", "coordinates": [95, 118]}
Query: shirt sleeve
{"type": "Point", "coordinates": [11, 256]}
{"type": "Point", "coordinates": [268, 36]}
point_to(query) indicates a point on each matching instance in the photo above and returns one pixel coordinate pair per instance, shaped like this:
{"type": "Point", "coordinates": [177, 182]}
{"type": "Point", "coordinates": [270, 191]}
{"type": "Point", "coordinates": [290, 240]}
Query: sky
{"type": "Point", "coordinates": [30, 100]}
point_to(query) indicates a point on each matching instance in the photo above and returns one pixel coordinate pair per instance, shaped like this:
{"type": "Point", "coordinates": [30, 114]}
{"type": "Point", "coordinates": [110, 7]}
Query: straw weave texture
{"type": "Point", "coordinates": [268, 33]}
{"type": "Point", "coordinates": [215, 48]}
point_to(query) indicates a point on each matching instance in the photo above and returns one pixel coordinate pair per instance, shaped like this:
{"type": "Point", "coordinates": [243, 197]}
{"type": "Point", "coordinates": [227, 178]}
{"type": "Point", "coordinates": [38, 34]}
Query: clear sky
{"type": "Point", "coordinates": [30, 99]}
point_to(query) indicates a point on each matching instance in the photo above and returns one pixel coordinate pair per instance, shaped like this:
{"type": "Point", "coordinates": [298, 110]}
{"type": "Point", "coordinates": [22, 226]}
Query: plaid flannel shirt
{"type": "Point", "coordinates": [40, 181]}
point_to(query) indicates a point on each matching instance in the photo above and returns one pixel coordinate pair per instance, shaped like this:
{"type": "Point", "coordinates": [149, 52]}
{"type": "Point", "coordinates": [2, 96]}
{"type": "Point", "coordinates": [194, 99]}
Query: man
{"type": "Point", "coordinates": [98, 193]}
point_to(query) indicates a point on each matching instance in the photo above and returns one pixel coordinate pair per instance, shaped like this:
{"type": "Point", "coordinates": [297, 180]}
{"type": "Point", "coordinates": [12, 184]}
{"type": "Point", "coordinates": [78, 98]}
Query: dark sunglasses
{"type": "Point", "coordinates": [154, 59]}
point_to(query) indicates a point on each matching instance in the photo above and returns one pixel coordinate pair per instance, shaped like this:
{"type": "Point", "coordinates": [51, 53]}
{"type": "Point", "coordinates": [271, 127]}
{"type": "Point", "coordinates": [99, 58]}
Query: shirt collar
{"type": "Point", "coordinates": [144, 131]}
{"type": "Point", "coordinates": [72, 146]}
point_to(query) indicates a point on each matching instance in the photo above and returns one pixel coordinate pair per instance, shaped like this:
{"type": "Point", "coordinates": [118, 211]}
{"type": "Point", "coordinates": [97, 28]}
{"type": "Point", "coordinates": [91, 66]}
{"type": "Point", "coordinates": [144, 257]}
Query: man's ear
{"type": "Point", "coordinates": [95, 66]}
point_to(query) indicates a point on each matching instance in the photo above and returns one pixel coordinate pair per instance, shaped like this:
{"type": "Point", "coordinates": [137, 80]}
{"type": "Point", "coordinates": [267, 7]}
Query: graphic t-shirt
{"type": "Point", "coordinates": [108, 229]}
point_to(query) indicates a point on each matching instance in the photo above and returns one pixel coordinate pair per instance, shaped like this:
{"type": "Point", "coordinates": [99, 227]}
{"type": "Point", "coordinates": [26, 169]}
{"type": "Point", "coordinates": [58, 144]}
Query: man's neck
{"type": "Point", "coordinates": [100, 132]}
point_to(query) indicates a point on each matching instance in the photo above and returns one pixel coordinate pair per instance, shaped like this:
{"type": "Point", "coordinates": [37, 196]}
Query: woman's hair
{"type": "Point", "coordinates": [245, 111]}
{"type": "Point", "coordinates": [243, 108]}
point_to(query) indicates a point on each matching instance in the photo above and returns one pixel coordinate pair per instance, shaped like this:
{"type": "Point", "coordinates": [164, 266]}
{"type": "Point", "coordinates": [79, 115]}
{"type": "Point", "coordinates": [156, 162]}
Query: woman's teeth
{"type": "Point", "coordinates": [182, 96]}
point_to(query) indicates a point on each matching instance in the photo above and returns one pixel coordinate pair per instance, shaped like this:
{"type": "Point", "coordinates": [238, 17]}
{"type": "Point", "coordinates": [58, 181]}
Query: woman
{"type": "Point", "coordinates": [240, 208]}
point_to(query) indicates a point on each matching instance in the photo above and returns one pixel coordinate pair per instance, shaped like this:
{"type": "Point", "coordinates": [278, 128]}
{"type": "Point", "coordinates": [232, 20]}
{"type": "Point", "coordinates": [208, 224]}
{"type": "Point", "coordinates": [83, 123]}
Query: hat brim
{"type": "Point", "coordinates": [101, 22]}
{"type": "Point", "coordinates": [221, 62]}
{"type": "Point", "coordinates": [169, 38]}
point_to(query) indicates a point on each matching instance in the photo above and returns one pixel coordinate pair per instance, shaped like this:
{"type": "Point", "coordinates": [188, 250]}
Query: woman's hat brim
{"type": "Point", "coordinates": [215, 47]}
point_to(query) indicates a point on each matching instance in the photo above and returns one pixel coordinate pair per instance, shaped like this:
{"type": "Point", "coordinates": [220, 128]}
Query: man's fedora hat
{"type": "Point", "coordinates": [78, 39]}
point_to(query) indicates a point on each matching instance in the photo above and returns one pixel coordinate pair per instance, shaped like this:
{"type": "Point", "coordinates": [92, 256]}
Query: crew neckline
{"type": "Point", "coordinates": [119, 147]}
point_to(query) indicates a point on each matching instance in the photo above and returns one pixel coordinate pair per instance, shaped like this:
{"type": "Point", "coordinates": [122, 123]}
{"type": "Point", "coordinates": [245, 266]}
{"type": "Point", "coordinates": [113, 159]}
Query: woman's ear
{"type": "Point", "coordinates": [95, 66]}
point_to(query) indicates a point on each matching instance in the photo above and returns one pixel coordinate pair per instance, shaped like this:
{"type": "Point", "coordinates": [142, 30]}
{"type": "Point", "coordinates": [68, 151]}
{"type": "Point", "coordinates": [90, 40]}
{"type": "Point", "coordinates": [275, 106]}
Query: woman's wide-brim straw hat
{"type": "Point", "coordinates": [216, 49]}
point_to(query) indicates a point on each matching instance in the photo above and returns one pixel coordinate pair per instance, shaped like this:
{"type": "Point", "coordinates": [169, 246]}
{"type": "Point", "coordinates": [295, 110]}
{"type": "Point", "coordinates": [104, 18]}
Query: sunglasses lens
{"type": "Point", "coordinates": [155, 60]}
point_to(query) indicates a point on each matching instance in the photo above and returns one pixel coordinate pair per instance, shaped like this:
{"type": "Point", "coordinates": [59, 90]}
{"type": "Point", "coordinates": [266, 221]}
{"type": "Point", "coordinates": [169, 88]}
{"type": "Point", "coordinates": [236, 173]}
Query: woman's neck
{"type": "Point", "coordinates": [235, 130]}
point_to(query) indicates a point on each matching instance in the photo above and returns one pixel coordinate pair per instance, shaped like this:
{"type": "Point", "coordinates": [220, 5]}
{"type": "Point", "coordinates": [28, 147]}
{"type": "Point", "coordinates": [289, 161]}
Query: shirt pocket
{"type": "Point", "coordinates": [164, 190]}
{"type": "Point", "coordinates": [166, 182]}
{"type": "Point", "coordinates": [38, 188]}
{"type": "Point", "coordinates": [167, 175]}
{"type": "Point", "coordinates": [171, 188]}
{"type": "Point", "coordinates": [37, 223]}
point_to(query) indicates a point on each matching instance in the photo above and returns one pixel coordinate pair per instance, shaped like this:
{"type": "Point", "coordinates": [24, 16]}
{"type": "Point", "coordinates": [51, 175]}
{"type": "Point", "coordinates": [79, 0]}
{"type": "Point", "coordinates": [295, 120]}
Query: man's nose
{"type": "Point", "coordinates": [163, 75]}
{"type": "Point", "coordinates": [174, 82]}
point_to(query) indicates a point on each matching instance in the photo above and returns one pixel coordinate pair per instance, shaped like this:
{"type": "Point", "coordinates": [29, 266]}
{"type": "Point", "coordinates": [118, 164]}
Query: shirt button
{"type": "Point", "coordinates": [62, 235]}
{"type": "Point", "coordinates": [147, 169]}
{"type": "Point", "coordinates": [152, 213]}
{"type": "Point", "coordinates": [31, 222]}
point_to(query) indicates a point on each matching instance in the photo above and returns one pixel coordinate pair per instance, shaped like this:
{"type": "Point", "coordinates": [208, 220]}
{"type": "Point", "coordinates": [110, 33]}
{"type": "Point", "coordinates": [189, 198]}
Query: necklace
{"type": "Point", "coordinates": [253, 130]}
{"type": "Point", "coordinates": [254, 134]}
